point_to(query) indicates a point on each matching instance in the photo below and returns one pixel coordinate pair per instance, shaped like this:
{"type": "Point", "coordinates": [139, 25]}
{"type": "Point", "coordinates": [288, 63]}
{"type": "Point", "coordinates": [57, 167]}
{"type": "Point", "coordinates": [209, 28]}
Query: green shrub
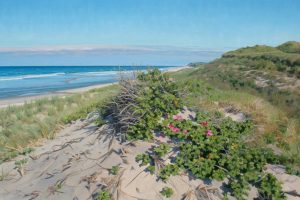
{"type": "Point", "coordinates": [22, 162]}
{"type": "Point", "coordinates": [167, 192]}
{"type": "Point", "coordinates": [145, 158]}
{"type": "Point", "coordinates": [281, 67]}
{"type": "Point", "coordinates": [103, 195]}
{"type": "Point", "coordinates": [114, 170]}
{"type": "Point", "coordinates": [269, 138]}
{"type": "Point", "coordinates": [269, 188]}
{"type": "Point", "coordinates": [167, 171]}
{"type": "Point", "coordinates": [161, 150]}
{"type": "Point", "coordinates": [157, 97]}
{"type": "Point", "coordinates": [140, 105]}
{"type": "Point", "coordinates": [213, 147]}
{"type": "Point", "coordinates": [151, 169]}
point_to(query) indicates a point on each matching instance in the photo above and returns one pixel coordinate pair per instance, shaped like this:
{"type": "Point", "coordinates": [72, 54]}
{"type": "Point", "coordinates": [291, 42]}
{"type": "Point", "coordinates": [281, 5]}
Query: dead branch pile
{"type": "Point", "coordinates": [120, 110]}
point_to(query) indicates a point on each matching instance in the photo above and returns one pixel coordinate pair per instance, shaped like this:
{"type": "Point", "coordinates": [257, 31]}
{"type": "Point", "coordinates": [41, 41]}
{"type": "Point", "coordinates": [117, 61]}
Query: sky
{"type": "Point", "coordinates": [139, 32]}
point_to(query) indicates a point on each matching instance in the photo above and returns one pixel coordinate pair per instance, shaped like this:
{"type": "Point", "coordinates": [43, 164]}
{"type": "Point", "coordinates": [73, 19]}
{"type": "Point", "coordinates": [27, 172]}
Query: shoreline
{"type": "Point", "coordinates": [18, 101]}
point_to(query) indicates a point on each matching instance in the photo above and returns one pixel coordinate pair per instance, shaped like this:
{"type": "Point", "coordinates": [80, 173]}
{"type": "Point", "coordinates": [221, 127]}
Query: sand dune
{"type": "Point", "coordinates": [77, 163]}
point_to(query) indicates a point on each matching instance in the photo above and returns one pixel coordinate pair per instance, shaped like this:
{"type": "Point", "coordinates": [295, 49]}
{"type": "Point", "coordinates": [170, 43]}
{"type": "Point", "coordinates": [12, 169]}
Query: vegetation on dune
{"type": "Point", "coordinates": [103, 195]}
{"type": "Point", "coordinates": [267, 89]}
{"type": "Point", "coordinates": [275, 125]}
{"type": "Point", "coordinates": [114, 170]}
{"type": "Point", "coordinates": [22, 126]}
{"type": "Point", "coordinates": [167, 192]}
{"type": "Point", "coordinates": [140, 104]}
{"type": "Point", "coordinates": [290, 47]}
{"type": "Point", "coordinates": [284, 58]}
{"type": "Point", "coordinates": [209, 146]}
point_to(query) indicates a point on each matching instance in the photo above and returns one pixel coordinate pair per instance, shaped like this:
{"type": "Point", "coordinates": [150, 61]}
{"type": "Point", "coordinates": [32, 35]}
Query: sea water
{"type": "Point", "coordinates": [35, 80]}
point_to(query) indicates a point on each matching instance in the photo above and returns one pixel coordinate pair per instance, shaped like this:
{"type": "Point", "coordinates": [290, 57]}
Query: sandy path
{"type": "Point", "coordinates": [74, 166]}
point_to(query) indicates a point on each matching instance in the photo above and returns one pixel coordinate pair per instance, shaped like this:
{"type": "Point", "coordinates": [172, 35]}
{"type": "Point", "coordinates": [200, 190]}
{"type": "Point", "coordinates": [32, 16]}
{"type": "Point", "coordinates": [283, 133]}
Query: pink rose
{"type": "Point", "coordinates": [176, 130]}
{"type": "Point", "coordinates": [177, 117]}
{"type": "Point", "coordinates": [171, 126]}
{"type": "Point", "coordinates": [209, 133]}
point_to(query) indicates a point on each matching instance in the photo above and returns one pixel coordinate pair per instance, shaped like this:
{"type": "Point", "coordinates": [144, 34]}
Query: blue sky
{"type": "Point", "coordinates": [167, 32]}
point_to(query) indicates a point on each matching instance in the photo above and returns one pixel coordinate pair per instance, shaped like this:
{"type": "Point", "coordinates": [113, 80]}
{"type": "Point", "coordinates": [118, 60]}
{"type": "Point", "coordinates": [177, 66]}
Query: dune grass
{"type": "Point", "coordinates": [284, 58]}
{"type": "Point", "coordinates": [22, 126]}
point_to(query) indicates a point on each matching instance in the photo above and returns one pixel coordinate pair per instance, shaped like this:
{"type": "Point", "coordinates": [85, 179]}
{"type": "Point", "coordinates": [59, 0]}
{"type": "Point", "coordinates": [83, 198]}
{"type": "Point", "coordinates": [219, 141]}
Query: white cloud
{"type": "Point", "coordinates": [104, 48]}
{"type": "Point", "coordinates": [105, 55]}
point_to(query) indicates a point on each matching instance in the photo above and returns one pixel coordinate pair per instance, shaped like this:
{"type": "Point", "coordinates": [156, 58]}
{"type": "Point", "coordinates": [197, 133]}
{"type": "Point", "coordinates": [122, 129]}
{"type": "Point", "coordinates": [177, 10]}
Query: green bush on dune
{"type": "Point", "coordinates": [141, 103]}
{"type": "Point", "coordinates": [209, 146]}
{"type": "Point", "coordinates": [167, 192]}
{"type": "Point", "coordinates": [103, 195]}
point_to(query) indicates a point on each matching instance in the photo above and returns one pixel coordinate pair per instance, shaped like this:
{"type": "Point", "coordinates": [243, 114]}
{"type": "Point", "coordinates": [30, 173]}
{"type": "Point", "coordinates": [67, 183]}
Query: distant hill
{"type": "Point", "coordinates": [271, 72]}
{"type": "Point", "coordinates": [290, 47]}
{"type": "Point", "coordinates": [284, 58]}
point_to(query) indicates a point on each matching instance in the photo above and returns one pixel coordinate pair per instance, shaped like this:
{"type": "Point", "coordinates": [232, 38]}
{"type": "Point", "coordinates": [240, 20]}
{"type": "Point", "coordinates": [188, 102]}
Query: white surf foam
{"type": "Point", "coordinates": [31, 76]}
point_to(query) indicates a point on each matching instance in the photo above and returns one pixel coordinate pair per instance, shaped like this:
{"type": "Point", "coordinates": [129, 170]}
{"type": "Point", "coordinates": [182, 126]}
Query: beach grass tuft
{"type": "Point", "coordinates": [22, 126]}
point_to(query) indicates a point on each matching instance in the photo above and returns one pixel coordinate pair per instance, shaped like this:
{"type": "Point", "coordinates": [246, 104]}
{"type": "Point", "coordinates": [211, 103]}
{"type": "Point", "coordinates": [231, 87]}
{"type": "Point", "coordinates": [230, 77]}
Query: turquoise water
{"type": "Point", "coordinates": [34, 80]}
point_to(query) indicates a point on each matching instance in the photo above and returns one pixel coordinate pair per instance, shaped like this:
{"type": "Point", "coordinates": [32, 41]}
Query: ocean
{"type": "Point", "coordinates": [35, 80]}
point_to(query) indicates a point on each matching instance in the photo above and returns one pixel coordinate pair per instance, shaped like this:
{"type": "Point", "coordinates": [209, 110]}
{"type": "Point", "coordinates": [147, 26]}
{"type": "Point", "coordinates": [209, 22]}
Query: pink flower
{"type": "Point", "coordinates": [177, 117]}
{"type": "Point", "coordinates": [176, 130]}
{"type": "Point", "coordinates": [205, 123]}
{"type": "Point", "coordinates": [186, 131]}
{"type": "Point", "coordinates": [209, 133]}
{"type": "Point", "coordinates": [171, 126]}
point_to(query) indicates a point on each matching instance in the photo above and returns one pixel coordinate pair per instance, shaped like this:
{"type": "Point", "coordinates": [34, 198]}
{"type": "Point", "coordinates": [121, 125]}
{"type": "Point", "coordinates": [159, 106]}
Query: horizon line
{"type": "Point", "coordinates": [96, 65]}
{"type": "Point", "coordinates": [93, 48]}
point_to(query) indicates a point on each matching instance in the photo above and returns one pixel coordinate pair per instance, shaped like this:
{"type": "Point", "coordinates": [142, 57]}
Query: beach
{"type": "Point", "coordinates": [16, 101]}
{"type": "Point", "coordinates": [149, 100]}
{"type": "Point", "coordinates": [21, 81]}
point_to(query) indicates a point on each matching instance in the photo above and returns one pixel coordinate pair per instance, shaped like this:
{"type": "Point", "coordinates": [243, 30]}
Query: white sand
{"type": "Point", "coordinates": [74, 166]}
